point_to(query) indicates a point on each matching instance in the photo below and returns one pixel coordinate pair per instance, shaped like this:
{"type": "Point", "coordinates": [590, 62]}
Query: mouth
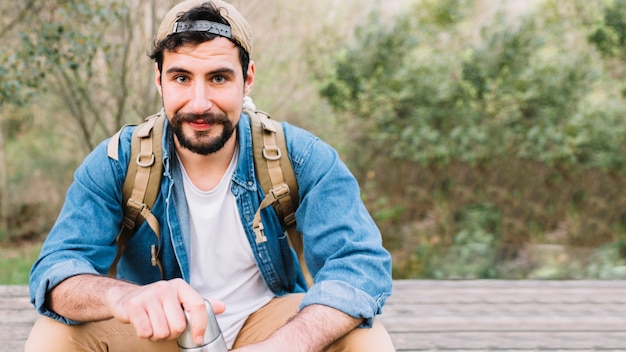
{"type": "Point", "coordinates": [199, 122]}
{"type": "Point", "coordinates": [200, 125]}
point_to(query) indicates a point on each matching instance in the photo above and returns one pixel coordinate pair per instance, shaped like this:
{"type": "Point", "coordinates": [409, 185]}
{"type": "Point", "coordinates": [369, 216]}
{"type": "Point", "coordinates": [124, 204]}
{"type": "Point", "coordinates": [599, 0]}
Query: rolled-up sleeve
{"type": "Point", "coordinates": [343, 245]}
{"type": "Point", "coordinates": [82, 240]}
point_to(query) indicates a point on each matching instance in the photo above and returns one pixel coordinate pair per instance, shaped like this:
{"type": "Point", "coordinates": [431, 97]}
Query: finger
{"type": "Point", "coordinates": [218, 306]}
{"type": "Point", "coordinates": [141, 322]}
{"type": "Point", "coordinates": [198, 318]}
{"type": "Point", "coordinates": [175, 318]}
{"type": "Point", "coordinates": [194, 304]}
{"type": "Point", "coordinates": [187, 296]}
{"type": "Point", "coordinates": [159, 323]}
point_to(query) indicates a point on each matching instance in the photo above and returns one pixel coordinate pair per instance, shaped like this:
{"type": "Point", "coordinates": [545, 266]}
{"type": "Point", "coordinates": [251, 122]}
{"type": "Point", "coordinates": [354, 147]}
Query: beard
{"type": "Point", "coordinates": [200, 142]}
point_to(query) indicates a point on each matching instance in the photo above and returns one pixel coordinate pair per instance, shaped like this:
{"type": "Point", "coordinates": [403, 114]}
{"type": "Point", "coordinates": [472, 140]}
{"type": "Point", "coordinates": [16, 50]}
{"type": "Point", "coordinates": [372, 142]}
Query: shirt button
{"type": "Point", "coordinates": [249, 183]}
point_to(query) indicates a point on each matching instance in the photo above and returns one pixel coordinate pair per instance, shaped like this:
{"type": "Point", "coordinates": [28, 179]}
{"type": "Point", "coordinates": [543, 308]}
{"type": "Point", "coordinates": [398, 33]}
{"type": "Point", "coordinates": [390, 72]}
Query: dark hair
{"type": "Point", "coordinates": [172, 42]}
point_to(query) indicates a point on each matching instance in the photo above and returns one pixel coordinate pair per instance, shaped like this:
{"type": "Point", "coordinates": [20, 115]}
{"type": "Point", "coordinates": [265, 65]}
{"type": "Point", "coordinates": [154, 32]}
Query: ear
{"type": "Point", "coordinates": [157, 79]}
{"type": "Point", "coordinates": [247, 85]}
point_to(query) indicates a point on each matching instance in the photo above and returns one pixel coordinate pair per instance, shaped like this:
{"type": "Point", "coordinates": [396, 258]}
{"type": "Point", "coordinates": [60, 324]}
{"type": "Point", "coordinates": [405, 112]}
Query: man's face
{"type": "Point", "coordinates": [202, 89]}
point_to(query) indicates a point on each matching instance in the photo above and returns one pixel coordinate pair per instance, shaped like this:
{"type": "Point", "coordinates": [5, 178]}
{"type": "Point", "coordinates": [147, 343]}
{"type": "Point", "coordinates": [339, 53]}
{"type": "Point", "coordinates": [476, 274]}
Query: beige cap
{"type": "Point", "coordinates": [239, 28]}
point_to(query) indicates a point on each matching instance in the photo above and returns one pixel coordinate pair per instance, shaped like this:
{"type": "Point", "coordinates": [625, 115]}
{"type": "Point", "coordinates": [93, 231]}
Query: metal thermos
{"type": "Point", "coordinates": [213, 338]}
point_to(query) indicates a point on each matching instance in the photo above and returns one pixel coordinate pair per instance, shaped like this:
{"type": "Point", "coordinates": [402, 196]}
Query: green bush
{"type": "Point", "coordinates": [440, 96]}
{"type": "Point", "coordinates": [525, 115]}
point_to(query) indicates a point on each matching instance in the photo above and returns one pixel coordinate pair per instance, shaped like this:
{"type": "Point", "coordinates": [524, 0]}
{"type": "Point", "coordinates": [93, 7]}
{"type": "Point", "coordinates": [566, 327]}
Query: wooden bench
{"type": "Point", "coordinates": [473, 315]}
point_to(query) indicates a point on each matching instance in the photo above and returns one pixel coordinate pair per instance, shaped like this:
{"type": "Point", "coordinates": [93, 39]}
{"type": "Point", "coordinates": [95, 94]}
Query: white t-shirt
{"type": "Point", "coordinates": [222, 265]}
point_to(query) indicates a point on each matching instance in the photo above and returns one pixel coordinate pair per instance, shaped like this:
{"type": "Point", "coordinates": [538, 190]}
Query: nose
{"type": "Point", "coordinates": [200, 99]}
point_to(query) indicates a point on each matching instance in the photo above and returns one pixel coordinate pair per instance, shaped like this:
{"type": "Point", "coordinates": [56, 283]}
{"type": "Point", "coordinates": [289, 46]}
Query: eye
{"type": "Point", "coordinates": [219, 79]}
{"type": "Point", "coordinates": [181, 79]}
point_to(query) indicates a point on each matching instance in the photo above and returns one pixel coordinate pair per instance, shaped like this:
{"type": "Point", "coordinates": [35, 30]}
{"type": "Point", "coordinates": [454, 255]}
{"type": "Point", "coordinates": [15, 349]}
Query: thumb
{"type": "Point", "coordinates": [218, 306]}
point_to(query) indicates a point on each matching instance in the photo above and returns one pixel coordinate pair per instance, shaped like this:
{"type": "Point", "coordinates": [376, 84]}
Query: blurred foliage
{"type": "Point", "coordinates": [497, 138]}
{"type": "Point", "coordinates": [15, 263]}
{"type": "Point", "coordinates": [488, 145]}
{"type": "Point", "coordinates": [68, 79]}
{"type": "Point", "coordinates": [83, 54]}
{"type": "Point", "coordinates": [431, 93]}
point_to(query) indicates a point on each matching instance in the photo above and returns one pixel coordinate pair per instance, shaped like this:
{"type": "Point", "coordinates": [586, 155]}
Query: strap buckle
{"type": "Point", "coordinates": [280, 192]}
{"type": "Point", "coordinates": [260, 234]}
{"type": "Point", "coordinates": [271, 152]}
{"type": "Point", "coordinates": [142, 163]}
{"type": "Point", "coordinates": [134, 208]}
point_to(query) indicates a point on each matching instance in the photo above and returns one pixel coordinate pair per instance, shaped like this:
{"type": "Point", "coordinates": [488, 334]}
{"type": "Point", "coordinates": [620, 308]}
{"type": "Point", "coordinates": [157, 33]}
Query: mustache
{"type": "Point", "coordinates": [210, 118]}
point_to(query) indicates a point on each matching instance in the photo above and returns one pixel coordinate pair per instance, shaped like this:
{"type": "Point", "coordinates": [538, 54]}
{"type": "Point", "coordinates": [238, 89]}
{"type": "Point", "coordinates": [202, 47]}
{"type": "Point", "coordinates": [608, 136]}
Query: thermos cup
{"type": "Point", "coordinates": [213, 338]}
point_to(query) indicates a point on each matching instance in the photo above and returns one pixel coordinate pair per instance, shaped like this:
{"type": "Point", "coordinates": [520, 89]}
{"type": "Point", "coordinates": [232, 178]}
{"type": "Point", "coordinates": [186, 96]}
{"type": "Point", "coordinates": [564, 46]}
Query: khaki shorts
{"type": "Point", "coordinates": [111, 335]}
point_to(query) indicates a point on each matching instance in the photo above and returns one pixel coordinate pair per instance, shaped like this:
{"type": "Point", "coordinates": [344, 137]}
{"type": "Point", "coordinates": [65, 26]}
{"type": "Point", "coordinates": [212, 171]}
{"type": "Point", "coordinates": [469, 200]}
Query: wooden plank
{"type": "Point", "coordinates": [519, 341]}
{"type": "Point", "coordinates": [471, 315]}
{"type": "Point", "coordinates": [17, 316]}
{"type": "Point", "coordinates": [479, 315]}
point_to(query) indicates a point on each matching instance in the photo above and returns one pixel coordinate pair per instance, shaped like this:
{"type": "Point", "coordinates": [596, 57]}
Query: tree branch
{"type": "Point", "coordinates": [20, 17]}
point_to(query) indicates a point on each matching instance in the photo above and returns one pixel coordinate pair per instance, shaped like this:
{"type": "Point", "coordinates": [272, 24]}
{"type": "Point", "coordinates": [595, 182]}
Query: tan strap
{"type": "Point", "coordinates": [278, 180]}
{"type": "Point", "coordinates": [113, 146]}
{"type": "Point", "coordinates": [142, 184]}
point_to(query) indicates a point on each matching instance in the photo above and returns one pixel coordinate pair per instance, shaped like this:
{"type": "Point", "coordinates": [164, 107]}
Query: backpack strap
{"type": "Point", "coordinates": [142, 184]}
{"type": "Point", "coordinates": [275, 173]}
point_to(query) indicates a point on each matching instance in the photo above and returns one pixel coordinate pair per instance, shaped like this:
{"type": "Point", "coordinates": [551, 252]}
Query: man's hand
{"type": "Point", "coordinates": [154, 310]}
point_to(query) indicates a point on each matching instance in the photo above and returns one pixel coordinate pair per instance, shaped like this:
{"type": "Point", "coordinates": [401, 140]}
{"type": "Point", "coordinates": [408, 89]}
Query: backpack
{"type": "Point", "coordinates": [143, 179]}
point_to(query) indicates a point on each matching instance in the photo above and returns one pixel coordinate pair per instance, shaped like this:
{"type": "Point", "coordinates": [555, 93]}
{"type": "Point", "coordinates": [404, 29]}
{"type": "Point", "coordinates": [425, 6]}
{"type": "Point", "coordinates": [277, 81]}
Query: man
{"type": "Point", "coordinates": [207, 247]}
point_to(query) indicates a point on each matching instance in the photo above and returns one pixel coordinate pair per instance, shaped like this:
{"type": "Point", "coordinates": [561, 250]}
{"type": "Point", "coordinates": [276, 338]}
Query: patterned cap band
{"type": "Point", "coordinates": [203, 26]}
{"type": "Point", "coordinates": [237, 28]}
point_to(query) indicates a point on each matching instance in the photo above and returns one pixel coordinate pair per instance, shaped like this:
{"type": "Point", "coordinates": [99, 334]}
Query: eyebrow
{"type": "Point", "coordinates": [172, 70]}
{"type": "Point", "coordinates": [224, 70]}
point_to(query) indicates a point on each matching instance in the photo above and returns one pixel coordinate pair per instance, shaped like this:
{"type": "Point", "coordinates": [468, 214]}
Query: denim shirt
{"type": "Point", "coordinates": [343, 246]}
